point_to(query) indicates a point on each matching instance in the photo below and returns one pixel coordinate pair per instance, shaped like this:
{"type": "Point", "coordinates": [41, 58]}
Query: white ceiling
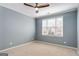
{"type": "Point", "coordinates": [53, 8]}
{"type": "Point", "coordinates": [20, 7]}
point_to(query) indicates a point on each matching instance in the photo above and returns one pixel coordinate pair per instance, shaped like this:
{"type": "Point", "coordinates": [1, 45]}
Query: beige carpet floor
{"type": "Point", "coordinates": [41, 49]}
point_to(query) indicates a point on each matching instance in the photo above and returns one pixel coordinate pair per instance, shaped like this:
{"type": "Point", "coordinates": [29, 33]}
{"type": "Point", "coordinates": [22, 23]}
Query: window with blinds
{"type": "Point", "coordinates": [53, 26]}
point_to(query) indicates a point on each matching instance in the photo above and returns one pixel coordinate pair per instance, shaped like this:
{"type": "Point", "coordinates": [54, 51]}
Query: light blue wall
{"type": "Point", "coordinates": [78, 29]}
{"type": "Point", "coordinates": [15, 28]}
{"type": "Point", "coordinates": [1, 28]}
{"type": "Point", "coordinates": [69, 30]}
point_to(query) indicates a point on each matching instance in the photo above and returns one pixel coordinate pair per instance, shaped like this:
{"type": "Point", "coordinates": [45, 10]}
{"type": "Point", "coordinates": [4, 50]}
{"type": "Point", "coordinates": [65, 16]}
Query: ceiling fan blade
{"type": "Point", "coordinates": [42, 6]}
{"type": "Point", "coordinates": [28, 5]}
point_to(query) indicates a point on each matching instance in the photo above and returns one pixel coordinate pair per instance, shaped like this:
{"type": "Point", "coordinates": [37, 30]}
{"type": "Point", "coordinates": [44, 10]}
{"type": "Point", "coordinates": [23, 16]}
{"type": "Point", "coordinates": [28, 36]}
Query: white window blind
{"type": "Point", "coordinates": [53, 26]}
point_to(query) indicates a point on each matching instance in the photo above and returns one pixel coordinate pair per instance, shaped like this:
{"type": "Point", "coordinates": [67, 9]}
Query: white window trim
{"type": "Point", "coordinates": [55, 28]}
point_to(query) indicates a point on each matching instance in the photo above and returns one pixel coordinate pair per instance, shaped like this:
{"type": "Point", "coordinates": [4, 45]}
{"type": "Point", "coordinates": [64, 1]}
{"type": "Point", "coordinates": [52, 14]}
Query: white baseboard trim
{"type": "Point", "coordinates": [16, 46]}
{"type": "Point", "coordinates": [56, 44]}
{"type": "Point", "coordinates": [37, 42]}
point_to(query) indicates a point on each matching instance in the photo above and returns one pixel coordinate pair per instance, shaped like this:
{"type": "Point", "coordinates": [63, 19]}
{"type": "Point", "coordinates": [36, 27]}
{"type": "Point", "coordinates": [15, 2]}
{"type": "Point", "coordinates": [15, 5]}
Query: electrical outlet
{"type": "Point", "coordinates": [65, 42]}
{"type": "Point", "coordinates": [11, 43]}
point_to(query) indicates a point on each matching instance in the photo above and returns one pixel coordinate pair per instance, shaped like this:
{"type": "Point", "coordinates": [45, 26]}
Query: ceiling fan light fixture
{"type": "Point", "coordinates": [36, 9]}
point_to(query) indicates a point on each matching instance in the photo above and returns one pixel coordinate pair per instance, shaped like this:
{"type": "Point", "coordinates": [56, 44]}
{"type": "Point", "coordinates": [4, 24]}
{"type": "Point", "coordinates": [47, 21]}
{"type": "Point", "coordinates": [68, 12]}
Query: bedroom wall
{"type": "Point", "coordinates": [78, 29]}
{"type": "Point", "coordinates": [69, 30]}
{"type": "Point", "coordinates": [15, 28]}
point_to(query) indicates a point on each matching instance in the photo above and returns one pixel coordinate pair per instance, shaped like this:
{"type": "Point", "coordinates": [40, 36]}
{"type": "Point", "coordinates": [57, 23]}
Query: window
{"type": "Point", "coordinates": [53, 27]}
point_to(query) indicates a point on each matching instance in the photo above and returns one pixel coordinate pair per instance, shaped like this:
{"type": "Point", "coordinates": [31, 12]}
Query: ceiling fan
{"type": "Point", "coordinates": [37, 6]}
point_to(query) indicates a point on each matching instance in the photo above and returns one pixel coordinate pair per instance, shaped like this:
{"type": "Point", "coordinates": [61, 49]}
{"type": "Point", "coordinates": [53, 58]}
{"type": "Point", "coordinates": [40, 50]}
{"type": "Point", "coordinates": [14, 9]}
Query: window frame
{"type": "Point", "coordinates": [55, 18]}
